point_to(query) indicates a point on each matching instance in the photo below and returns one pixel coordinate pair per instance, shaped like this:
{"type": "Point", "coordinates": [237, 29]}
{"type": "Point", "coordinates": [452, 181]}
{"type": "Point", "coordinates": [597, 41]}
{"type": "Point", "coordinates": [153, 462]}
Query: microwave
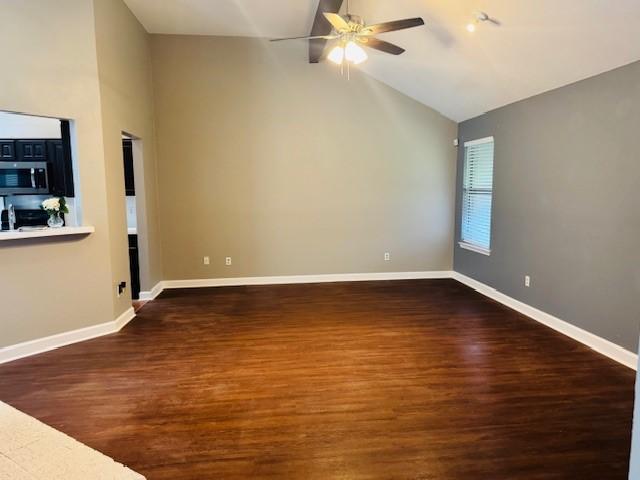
{"type": "Point", "coordinates": [24, 178]}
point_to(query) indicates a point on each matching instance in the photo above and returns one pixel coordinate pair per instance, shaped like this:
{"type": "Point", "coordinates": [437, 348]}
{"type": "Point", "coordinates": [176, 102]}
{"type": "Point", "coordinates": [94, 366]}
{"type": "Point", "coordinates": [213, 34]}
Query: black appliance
{"type": "Point", "coordinates": [127, 153]}
{"type": "Point", "coordinates": [134, 267]}
{"type": "Point", "coordinates": [24, 178]}
{"type": "Point", "coordinates": [25, 218]}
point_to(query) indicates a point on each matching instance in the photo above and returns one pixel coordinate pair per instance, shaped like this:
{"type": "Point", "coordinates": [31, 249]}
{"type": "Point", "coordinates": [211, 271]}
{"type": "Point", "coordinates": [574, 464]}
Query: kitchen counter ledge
{"type": "Point", "coordinates": [47, 232]}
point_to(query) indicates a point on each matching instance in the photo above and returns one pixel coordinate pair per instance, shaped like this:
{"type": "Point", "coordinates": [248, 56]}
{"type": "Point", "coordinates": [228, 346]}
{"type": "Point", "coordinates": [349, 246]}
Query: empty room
{"type": "Point", "coordinates": [319, 239]}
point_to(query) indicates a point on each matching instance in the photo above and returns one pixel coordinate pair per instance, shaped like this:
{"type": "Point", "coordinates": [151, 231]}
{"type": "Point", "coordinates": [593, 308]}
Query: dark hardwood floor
{"type": "Point", "coordinates": [409, 379]}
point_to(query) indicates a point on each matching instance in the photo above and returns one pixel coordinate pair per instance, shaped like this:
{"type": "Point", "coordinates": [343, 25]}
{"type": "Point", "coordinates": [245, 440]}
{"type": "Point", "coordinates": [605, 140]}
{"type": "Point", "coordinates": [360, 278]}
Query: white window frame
{"type": "Point", "coordinates": [462, 243]}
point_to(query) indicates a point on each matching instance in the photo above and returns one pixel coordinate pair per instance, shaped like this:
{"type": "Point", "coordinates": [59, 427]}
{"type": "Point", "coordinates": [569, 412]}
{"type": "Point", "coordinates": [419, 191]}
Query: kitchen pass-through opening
{"type": "Point", "coordinates": [38, 173]}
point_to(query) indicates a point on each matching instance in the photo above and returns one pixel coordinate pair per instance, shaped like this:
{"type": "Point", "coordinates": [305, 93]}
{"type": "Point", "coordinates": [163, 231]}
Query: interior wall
{"type": "Point", "coordinates": [290, 168]}
{"type": "Point", "coordinates": [566, 177]}
{"type": "Point", "coordinates": [50, 286]}
{"type": "Point", "coordinates": [124, 68]}
{"type": "Point", "coordinates": [25, 126]}
{"type": "Point", "coordinates": [91, 64]}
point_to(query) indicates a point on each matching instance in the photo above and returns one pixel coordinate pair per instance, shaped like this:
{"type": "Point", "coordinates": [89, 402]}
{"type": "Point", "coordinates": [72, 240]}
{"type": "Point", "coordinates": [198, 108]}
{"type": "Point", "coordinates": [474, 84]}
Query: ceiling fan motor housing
{"type": "Point", "coordinates": [356, 22]}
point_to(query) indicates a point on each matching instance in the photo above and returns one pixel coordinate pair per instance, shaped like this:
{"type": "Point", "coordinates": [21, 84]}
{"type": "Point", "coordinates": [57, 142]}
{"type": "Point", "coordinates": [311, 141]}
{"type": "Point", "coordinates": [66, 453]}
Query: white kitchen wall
{"type": "Point", "coordinates": [132, 220]}
{"type": "Point", "coordinates": [25, 126]}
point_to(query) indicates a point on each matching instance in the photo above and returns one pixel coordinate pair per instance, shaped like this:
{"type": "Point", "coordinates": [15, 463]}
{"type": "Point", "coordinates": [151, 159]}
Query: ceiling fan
{"type": "Point", "coordinates": [352, 33]}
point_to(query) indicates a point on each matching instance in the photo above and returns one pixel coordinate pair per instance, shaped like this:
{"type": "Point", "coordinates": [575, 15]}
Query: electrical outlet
{"type": "Point", "coordinates": [527, 281]}
{"type": "Point", "coordinates": [387, 256]}
{"type": "Point", "coordinates": [120, 288]}
{"type": "Point", "coordinates": [227, 261]}
{"type": "Point", "coordinates": [206, 261]}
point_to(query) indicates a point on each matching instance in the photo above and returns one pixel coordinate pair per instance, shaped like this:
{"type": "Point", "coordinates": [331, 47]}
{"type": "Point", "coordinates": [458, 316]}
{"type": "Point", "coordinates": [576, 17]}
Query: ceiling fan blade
{"type": "Point", "coordinates": [325, 37]}
{"type": "Point", "coordinates": [339, 23]}
{"type": "Point", "coordinates": [392, 26]}
{"type": "Point", "coordinates": [381, 45]}
{"type": "Point", "coordinates": [321, 27]}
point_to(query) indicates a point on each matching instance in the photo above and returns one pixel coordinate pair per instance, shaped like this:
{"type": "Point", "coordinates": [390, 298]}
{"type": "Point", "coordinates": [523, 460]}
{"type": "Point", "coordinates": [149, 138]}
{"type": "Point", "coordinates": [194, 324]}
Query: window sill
{"type": "Point", "coordinates": [475, 248]}
{"type": "Point", "coordinates": [47, 232]}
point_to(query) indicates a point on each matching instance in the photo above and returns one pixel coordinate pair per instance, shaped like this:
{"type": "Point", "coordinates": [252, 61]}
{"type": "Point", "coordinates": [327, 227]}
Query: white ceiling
{"type": "Point", "coordinates": [237, 18]}
{"type": "Point", "coordinates": [540, 44]}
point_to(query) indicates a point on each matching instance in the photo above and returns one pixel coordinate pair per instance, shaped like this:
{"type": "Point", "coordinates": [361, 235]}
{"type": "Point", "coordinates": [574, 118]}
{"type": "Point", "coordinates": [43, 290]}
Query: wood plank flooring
{"type": "Point", "coordinates": [422, 379]}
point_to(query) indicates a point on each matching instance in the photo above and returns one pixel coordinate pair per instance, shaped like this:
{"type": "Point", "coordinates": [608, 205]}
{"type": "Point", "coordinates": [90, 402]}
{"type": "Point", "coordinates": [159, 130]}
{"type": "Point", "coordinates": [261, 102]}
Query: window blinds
{"type": "Point", "coordinates": [477, 193]}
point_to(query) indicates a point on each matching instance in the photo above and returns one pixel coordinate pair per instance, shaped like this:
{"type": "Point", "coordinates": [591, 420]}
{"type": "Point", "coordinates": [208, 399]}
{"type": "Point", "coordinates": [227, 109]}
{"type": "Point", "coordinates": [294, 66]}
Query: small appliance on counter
{"type": "Point", "coordinates": [25, 218]}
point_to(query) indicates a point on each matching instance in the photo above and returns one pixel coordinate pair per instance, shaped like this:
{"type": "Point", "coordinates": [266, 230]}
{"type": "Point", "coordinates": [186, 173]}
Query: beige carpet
{"type": "Point", "coordinates": [31, 450]}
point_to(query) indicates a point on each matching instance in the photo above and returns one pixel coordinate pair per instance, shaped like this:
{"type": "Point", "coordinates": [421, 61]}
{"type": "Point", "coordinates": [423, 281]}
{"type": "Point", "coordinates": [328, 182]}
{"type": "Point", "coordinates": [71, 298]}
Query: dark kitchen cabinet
{"type": "Point", "coordinates": [56, 152]}
{"type": "Point", "coordinates": [65, 132]}
{"type": "Point", "coordinates": [31, 150]}
{"type": "Point", "coordinates": [60, 170]}
{"type": "Point", "coordinates": [7, 151]}
{"type": "Point", "coordinates": [134, 267]}
{"type": "Point", "coordinates": [129, 183]}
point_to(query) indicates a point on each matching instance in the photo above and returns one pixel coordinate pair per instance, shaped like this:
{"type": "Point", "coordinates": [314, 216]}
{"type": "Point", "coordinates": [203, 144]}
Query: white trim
{"type": "Point", "coordinates": [151, 295]}
{"type": "Point", "coordinates": [41, 345]}
{"type": "Point", "coordinates": [479, 141]}
{"type": "Point", "coordinates": [46, 232]}
{"type": "Point", "coordinates": [122, 320]}
{"type": "Point", "coordinates": [475, 248]}
{"type": "Point", "coordinates": [279, 280]}
{"type": "Point", "coordinates": [599, 344]}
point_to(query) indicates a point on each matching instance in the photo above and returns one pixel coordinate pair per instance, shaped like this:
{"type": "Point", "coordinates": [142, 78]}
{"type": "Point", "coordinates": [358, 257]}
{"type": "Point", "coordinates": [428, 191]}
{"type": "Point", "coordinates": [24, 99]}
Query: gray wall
{"type": "Point", "coordinates": [290, 168]}
{"type": "Point", "coordinates": [123, 50]}
{"type": "Point", "coordinates": [566, 179]}
{"type": "Point", "coordinates": [54, 73]}
{"type": "Point", "coordinates": [94, 70]}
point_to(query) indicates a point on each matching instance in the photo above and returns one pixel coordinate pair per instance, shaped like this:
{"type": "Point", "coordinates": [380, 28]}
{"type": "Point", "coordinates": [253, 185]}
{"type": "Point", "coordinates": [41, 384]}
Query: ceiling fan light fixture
{"type": "Point", "coordinates": [336, 55]}
{"type": "Point", "coordinates": [354, 53]}
{"type": "Point", "coordinates": [478, 18]}
{"type": "Point", "coordinates": [350, 30]}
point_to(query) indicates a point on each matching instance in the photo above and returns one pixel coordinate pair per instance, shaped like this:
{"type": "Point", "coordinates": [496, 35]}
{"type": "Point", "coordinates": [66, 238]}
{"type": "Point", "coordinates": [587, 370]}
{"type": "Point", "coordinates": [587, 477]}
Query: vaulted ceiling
{"type": "Point", "coordinates": [538, 46]}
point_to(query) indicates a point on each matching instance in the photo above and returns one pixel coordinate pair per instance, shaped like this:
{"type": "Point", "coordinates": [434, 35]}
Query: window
{"type": "Point", "coordinates": [477, 195]}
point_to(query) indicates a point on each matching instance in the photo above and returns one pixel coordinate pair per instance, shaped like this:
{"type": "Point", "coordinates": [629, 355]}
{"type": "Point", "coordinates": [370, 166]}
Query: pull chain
{"type": "Point", "coordinates": [347, 62]}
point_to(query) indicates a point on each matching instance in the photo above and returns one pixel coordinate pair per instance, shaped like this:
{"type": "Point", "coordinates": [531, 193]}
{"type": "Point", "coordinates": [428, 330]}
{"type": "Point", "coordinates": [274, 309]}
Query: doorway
{"type": "Point", "coordinates": [131, 200]}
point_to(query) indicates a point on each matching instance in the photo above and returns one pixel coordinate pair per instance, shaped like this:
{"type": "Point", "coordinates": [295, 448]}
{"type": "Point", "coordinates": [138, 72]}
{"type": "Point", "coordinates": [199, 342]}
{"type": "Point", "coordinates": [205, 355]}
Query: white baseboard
{"type": "Point", "coordinates": [123, 319]}
{"type": "Point", "coordinates": [291, 279]}
{"type": "Point", "coordinates": [150, 295]}
{"type": "Point", "coordinates": [599, 344]}
{"type": "Point", "coordinates": [41, 345]}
